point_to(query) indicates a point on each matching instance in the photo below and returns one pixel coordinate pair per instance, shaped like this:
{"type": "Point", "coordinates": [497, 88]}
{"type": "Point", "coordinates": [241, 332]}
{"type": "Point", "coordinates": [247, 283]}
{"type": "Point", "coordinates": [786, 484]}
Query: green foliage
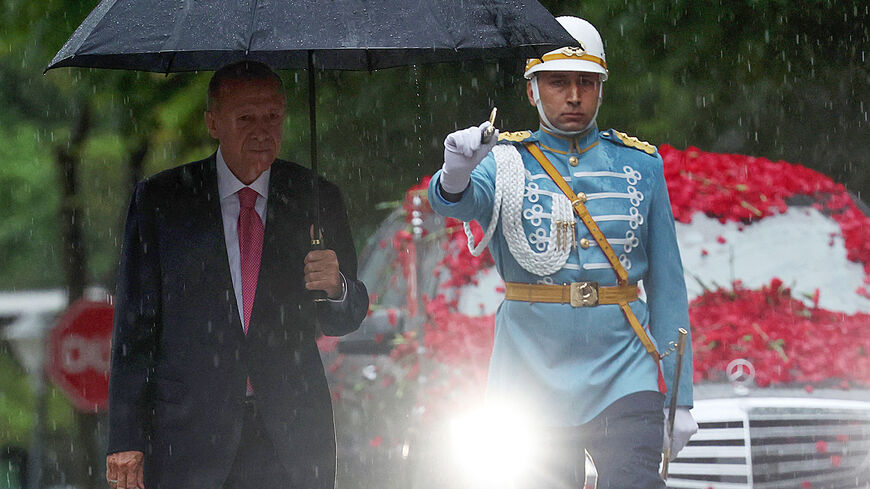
{"type": "Point", "coordinates": [18, 405]}
{"type": "Point", "coordinates": [104, 190]}
{"type": "Point", "coordinates": [765, 77]}
{"type": "Point", "coordinates": [28, 223]}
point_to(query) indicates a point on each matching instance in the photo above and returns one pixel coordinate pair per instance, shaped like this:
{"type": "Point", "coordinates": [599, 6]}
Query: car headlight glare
{"type": "Point", "coordinates": [493, 445]}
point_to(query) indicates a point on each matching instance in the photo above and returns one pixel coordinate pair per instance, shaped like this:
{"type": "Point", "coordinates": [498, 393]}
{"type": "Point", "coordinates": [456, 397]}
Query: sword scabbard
{"type": "Point", "coordinates": [672, 408]}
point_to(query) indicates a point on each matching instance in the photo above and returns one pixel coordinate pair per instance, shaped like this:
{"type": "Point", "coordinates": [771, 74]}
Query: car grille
{"type": "Point", "coordinates": [783, 448]}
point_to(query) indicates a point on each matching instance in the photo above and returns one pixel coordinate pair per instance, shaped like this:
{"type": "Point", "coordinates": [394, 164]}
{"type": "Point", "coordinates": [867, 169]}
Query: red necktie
{"type": "Point", "coordinates": [250, 247]}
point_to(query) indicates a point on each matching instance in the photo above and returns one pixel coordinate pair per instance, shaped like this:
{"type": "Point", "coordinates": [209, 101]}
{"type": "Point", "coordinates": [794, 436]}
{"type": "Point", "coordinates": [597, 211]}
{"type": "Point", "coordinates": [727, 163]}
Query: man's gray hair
{"type": "Point", "coordinates": [239, 71]}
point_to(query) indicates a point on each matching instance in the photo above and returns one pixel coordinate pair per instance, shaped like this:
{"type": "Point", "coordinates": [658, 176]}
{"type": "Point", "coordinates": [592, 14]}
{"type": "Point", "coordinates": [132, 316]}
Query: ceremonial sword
{"type": "Point", "coordinates": [672, 411]}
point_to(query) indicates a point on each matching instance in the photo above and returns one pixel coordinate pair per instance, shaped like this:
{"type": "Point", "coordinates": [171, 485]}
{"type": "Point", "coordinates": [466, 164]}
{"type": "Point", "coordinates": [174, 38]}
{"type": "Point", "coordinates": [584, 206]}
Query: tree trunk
{"type": "Point", "coordinates": [68, 158]}
{"type": "Point", "coordinates": [73, 246]}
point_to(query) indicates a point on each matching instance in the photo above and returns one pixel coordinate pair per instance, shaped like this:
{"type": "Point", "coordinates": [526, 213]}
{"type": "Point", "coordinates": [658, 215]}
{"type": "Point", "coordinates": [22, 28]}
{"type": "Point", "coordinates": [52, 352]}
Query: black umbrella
{"type": "Point", "coordinates": [188, 35]}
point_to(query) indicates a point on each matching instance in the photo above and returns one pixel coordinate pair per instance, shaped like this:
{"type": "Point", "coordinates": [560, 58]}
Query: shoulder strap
{"type": "Point", "coordinates": [583, 213]}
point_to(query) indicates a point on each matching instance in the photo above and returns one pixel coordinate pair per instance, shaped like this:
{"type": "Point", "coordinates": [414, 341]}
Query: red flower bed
{"type": "Point", "coordinates": [736, 187]}
{"type": "Point", "coordinates": [742, 188]}
{"type": "Point", "coordinates": [459, 262]}
{"type": "Point", "coordinates": [786, 340]}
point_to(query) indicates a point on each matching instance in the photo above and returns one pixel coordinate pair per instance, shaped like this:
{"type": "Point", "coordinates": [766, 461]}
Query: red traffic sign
{"type": "Point", "coordinates": [78, 354]}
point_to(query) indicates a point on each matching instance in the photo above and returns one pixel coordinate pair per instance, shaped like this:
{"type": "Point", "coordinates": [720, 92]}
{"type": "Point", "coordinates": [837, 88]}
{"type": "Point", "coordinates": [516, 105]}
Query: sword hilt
{"type": "Point", "coordinates": [489, 131]}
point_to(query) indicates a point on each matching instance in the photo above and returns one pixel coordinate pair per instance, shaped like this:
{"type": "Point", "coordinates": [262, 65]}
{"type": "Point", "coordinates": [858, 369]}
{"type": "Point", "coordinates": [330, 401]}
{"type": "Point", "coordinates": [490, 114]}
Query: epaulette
{"type": "Point", "coordinates": [514, 137]}
{"type": "Point", "coordinates": [630, 141]}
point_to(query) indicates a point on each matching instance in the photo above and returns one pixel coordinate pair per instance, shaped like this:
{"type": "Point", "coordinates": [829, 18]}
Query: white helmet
{"type": "Point", "coordinates": [588, 57]}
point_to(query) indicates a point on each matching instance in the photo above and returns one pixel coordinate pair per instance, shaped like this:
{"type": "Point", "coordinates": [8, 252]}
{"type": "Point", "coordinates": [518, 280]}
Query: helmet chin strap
{"type": "Point", "coordinates": [546, 122]}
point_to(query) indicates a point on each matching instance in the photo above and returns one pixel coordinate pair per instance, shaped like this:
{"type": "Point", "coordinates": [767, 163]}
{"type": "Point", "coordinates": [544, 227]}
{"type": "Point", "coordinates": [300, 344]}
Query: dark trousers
{"type": "Point", "coordinates": [624, 441]}
{"type": "Point", "coordinates": [256, 466]}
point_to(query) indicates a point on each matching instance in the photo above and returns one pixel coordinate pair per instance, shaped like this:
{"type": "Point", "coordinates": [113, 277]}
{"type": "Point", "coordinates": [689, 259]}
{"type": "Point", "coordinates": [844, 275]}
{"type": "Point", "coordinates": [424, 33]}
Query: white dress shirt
{"type": "Point", "coordinates": [228, 186]}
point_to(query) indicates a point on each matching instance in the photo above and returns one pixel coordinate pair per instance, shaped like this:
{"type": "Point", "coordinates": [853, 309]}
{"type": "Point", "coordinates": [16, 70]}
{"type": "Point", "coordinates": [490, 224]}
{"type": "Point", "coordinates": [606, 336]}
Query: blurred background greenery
{"type": "Point", "coordinates": [780, 79]}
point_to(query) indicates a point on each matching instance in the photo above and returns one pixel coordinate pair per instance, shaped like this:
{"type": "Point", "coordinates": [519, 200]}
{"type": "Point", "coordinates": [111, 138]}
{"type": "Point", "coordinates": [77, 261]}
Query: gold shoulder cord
{"type": "Point", "coordinates": [587, 219]}
{"type": "Point", "coordinates": [633, 142]}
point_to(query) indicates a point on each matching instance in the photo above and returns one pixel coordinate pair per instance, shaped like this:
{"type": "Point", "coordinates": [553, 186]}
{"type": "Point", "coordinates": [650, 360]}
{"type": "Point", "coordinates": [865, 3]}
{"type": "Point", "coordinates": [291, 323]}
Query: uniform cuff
{"type": "Point", "coordinates": [450, 197]}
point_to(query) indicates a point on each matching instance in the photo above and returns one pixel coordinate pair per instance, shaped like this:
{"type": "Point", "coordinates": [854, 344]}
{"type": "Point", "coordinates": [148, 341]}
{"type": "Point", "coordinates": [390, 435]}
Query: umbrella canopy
{"type": "Point", "coordinates": [189, 35]}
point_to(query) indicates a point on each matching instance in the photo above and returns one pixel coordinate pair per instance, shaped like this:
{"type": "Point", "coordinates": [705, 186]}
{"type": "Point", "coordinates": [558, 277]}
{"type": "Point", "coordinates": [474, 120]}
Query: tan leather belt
{"type": "Point", "coordinates": [578, 294]}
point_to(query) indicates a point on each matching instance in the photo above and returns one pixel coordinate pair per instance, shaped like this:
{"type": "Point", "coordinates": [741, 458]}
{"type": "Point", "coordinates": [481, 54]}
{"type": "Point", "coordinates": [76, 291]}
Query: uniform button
{"type": "Point", "coordinates": [605, 134]}
{"type": "Point", "coordinates": [584, 243]}
{"type": "Point", "coordinates": [581, 197]}
{"type": "Point", "coordinates": [573, 161]}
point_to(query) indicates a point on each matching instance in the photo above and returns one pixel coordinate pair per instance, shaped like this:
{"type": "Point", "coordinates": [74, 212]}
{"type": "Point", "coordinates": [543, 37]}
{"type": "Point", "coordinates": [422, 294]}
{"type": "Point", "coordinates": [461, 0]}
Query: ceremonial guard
{"type": "Point", "coordinates": [580, 226]}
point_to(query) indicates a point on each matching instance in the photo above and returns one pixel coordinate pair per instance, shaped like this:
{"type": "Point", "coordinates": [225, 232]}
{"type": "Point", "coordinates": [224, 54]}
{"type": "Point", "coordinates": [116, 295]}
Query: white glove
{"type": "Point", "coordinates": [463, 151]}
{"type": "Point", "coordinates": [684, 427]}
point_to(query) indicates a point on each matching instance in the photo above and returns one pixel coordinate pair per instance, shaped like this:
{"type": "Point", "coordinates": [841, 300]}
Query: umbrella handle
{"type": "Point", "coordinates": [317, 244]}
{"type": "Point", "coordinates": [317, 240]}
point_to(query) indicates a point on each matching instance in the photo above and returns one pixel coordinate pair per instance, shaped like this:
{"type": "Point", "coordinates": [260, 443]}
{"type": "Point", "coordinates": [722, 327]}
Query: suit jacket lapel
{"type": "Point", "coordinates": [285, 243]}
{"type": "Point", "coordinates": [207, 217]}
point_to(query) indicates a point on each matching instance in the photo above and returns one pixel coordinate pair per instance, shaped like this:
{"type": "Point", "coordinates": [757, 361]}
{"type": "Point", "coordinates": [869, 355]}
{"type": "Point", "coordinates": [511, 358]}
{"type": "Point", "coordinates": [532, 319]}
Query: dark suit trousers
{"type": "Point", "coordinates": [624, 441]}
{"type": "Point", "coordinates": [256, 466]}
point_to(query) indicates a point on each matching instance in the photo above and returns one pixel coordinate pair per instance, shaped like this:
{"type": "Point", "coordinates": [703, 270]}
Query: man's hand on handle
{"type": "Point", "coordinates": [463, 150]}
{"type": "Point", "coordinates": [321, 271]}
{"type": "Point", "coordinates": [124, 470]}
{"type": "Point", "coordinates": [684, 427]}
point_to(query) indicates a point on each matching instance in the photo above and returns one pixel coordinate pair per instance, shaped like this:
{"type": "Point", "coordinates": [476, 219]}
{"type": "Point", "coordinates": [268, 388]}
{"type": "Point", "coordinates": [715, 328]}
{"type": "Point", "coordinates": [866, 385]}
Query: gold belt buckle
{"type": "Point", "coordinates": [584, 294]}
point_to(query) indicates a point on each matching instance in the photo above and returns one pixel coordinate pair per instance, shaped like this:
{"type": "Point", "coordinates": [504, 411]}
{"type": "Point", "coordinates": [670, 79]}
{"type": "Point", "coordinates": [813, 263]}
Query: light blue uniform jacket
{"type": "Point", "coordinates": [567, 364]}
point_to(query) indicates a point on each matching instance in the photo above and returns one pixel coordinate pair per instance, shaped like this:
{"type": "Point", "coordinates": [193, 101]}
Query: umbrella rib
{"type": "Point", "coordinates": [251, 27]}
{"type": "Point", "coordinates": [169, 47]}
{"type": "Point", "coordinates": [433, 20]}
{"type": "Point", "coordinates": [83, 36]}
{"type": "Point", "coordinates": [169, 63]}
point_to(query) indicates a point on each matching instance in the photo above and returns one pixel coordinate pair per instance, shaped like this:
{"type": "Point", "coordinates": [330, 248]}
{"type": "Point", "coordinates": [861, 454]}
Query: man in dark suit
{"type": "Point", "coordinates": [216, 380]}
